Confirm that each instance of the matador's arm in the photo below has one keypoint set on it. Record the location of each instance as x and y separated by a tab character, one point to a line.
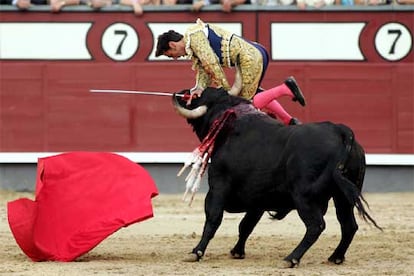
206	63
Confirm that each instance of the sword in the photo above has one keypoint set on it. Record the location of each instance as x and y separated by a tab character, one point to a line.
135	92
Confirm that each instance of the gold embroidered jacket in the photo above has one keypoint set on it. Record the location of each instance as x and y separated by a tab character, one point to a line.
235	51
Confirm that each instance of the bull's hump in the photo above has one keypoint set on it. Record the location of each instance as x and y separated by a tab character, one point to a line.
245	109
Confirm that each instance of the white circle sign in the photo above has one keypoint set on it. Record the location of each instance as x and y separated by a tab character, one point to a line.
120	41
393	41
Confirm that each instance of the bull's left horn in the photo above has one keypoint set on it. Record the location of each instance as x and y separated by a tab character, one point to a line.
187	113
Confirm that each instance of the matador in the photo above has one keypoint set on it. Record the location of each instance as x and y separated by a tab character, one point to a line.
211	49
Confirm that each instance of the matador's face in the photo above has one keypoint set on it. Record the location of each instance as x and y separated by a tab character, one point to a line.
177	49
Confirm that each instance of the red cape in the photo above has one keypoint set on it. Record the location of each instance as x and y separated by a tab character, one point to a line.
80	199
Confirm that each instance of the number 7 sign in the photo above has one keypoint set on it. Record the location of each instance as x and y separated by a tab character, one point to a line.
393	41
120	41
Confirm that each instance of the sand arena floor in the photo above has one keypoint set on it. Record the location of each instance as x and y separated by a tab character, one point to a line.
157	246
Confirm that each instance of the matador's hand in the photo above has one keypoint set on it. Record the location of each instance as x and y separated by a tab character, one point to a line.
195	93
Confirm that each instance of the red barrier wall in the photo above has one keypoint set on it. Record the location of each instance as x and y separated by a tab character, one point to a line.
46	106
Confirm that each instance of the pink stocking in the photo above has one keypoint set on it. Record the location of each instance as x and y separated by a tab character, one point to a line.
275	107
267	99
261	99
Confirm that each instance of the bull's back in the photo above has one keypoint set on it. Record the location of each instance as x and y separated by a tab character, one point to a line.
267	146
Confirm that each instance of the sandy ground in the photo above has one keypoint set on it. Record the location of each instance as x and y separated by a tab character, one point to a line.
157	246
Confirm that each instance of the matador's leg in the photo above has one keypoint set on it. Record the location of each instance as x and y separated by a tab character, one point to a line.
268	98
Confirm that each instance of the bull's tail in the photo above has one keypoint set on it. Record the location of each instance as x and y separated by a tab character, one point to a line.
351	190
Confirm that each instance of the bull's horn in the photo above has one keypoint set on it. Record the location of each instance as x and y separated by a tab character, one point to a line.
187	113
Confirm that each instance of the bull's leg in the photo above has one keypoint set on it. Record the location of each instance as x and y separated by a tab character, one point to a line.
349	226
312	216
246	227
214	208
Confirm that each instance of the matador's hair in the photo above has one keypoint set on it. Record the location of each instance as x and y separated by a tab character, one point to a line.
164	39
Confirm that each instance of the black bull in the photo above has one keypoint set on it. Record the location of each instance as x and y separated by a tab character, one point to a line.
260	165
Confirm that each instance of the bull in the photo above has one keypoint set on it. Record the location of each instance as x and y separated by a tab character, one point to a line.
258	165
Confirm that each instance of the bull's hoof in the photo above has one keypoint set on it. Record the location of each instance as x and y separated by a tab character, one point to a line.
193	257
290	263
236	255
337	261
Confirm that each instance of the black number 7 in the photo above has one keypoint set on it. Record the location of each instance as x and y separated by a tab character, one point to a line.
124	34
395	32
